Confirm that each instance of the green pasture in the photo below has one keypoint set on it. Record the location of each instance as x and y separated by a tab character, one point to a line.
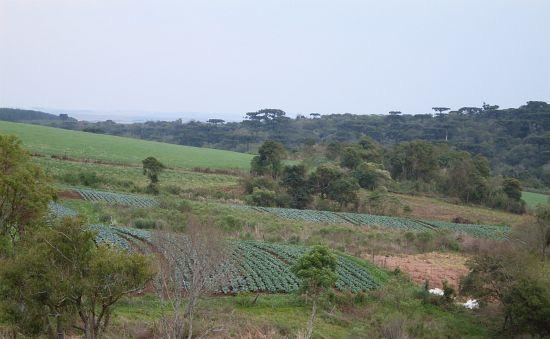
83	145
533	199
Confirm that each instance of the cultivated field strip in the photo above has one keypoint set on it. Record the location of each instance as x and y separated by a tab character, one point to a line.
253	266
59	211
359	219
116	198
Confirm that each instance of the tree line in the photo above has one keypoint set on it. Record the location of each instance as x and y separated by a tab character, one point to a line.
516	141
334	181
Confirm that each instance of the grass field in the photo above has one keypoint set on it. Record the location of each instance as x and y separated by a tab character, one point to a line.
114	177
533	199
82	145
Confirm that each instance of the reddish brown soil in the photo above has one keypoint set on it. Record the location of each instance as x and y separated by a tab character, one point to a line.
434	267
69	195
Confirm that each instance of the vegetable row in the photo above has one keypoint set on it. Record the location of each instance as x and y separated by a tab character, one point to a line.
478	231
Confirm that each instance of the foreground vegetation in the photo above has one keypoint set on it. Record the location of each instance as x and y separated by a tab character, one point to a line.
185	230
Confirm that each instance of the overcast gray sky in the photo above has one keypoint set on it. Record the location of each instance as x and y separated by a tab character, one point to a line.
227	57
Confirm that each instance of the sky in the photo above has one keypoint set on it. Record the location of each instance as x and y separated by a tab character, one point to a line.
208	58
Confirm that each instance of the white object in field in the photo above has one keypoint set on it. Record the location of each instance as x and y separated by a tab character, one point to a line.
436	291
471	304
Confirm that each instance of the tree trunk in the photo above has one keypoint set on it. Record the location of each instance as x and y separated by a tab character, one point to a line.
190	334
311	319
59	325
89	328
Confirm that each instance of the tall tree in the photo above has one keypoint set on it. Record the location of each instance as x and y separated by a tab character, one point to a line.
294	179
270	159
24	190
152	169
413	160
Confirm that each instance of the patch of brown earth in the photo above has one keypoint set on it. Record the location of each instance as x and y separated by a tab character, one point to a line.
69	195
434	267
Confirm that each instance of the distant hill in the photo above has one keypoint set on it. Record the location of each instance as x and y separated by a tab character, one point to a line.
83	145
25	115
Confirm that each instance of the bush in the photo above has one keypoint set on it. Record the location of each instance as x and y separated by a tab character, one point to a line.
173	189
85	178
424	241
249	183
527	307
105	218
231	223
145	223
262	197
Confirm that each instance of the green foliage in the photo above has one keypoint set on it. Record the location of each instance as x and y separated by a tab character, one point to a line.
511	277
333	150
343	190
317	270
85	178
60	275
351	157
512	188
270	159
152	169
414	160
295	180
323	176
267	183
262	197
527	306
24	190
145	223
371	176
505	136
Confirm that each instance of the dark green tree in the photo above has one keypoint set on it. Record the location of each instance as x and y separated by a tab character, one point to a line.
343	190
294	179
333	150
414	160
352	156
323	176
152	169
512	188
371	176
270	159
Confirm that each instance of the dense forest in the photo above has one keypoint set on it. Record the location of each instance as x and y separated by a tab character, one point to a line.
516	140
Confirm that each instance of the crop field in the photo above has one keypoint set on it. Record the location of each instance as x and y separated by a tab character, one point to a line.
256	266
534	199
115	198
475	230
83	145
59	211
116	176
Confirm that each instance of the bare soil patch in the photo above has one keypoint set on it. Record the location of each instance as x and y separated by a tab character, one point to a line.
434	267
69	195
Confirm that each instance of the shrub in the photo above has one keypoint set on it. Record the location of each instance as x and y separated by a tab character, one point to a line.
424	241
85	178
249	183
262	197
144	223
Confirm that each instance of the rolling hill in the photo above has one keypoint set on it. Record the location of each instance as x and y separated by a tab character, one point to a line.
83	145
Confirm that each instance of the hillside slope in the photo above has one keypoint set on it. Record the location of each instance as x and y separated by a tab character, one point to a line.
82	145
